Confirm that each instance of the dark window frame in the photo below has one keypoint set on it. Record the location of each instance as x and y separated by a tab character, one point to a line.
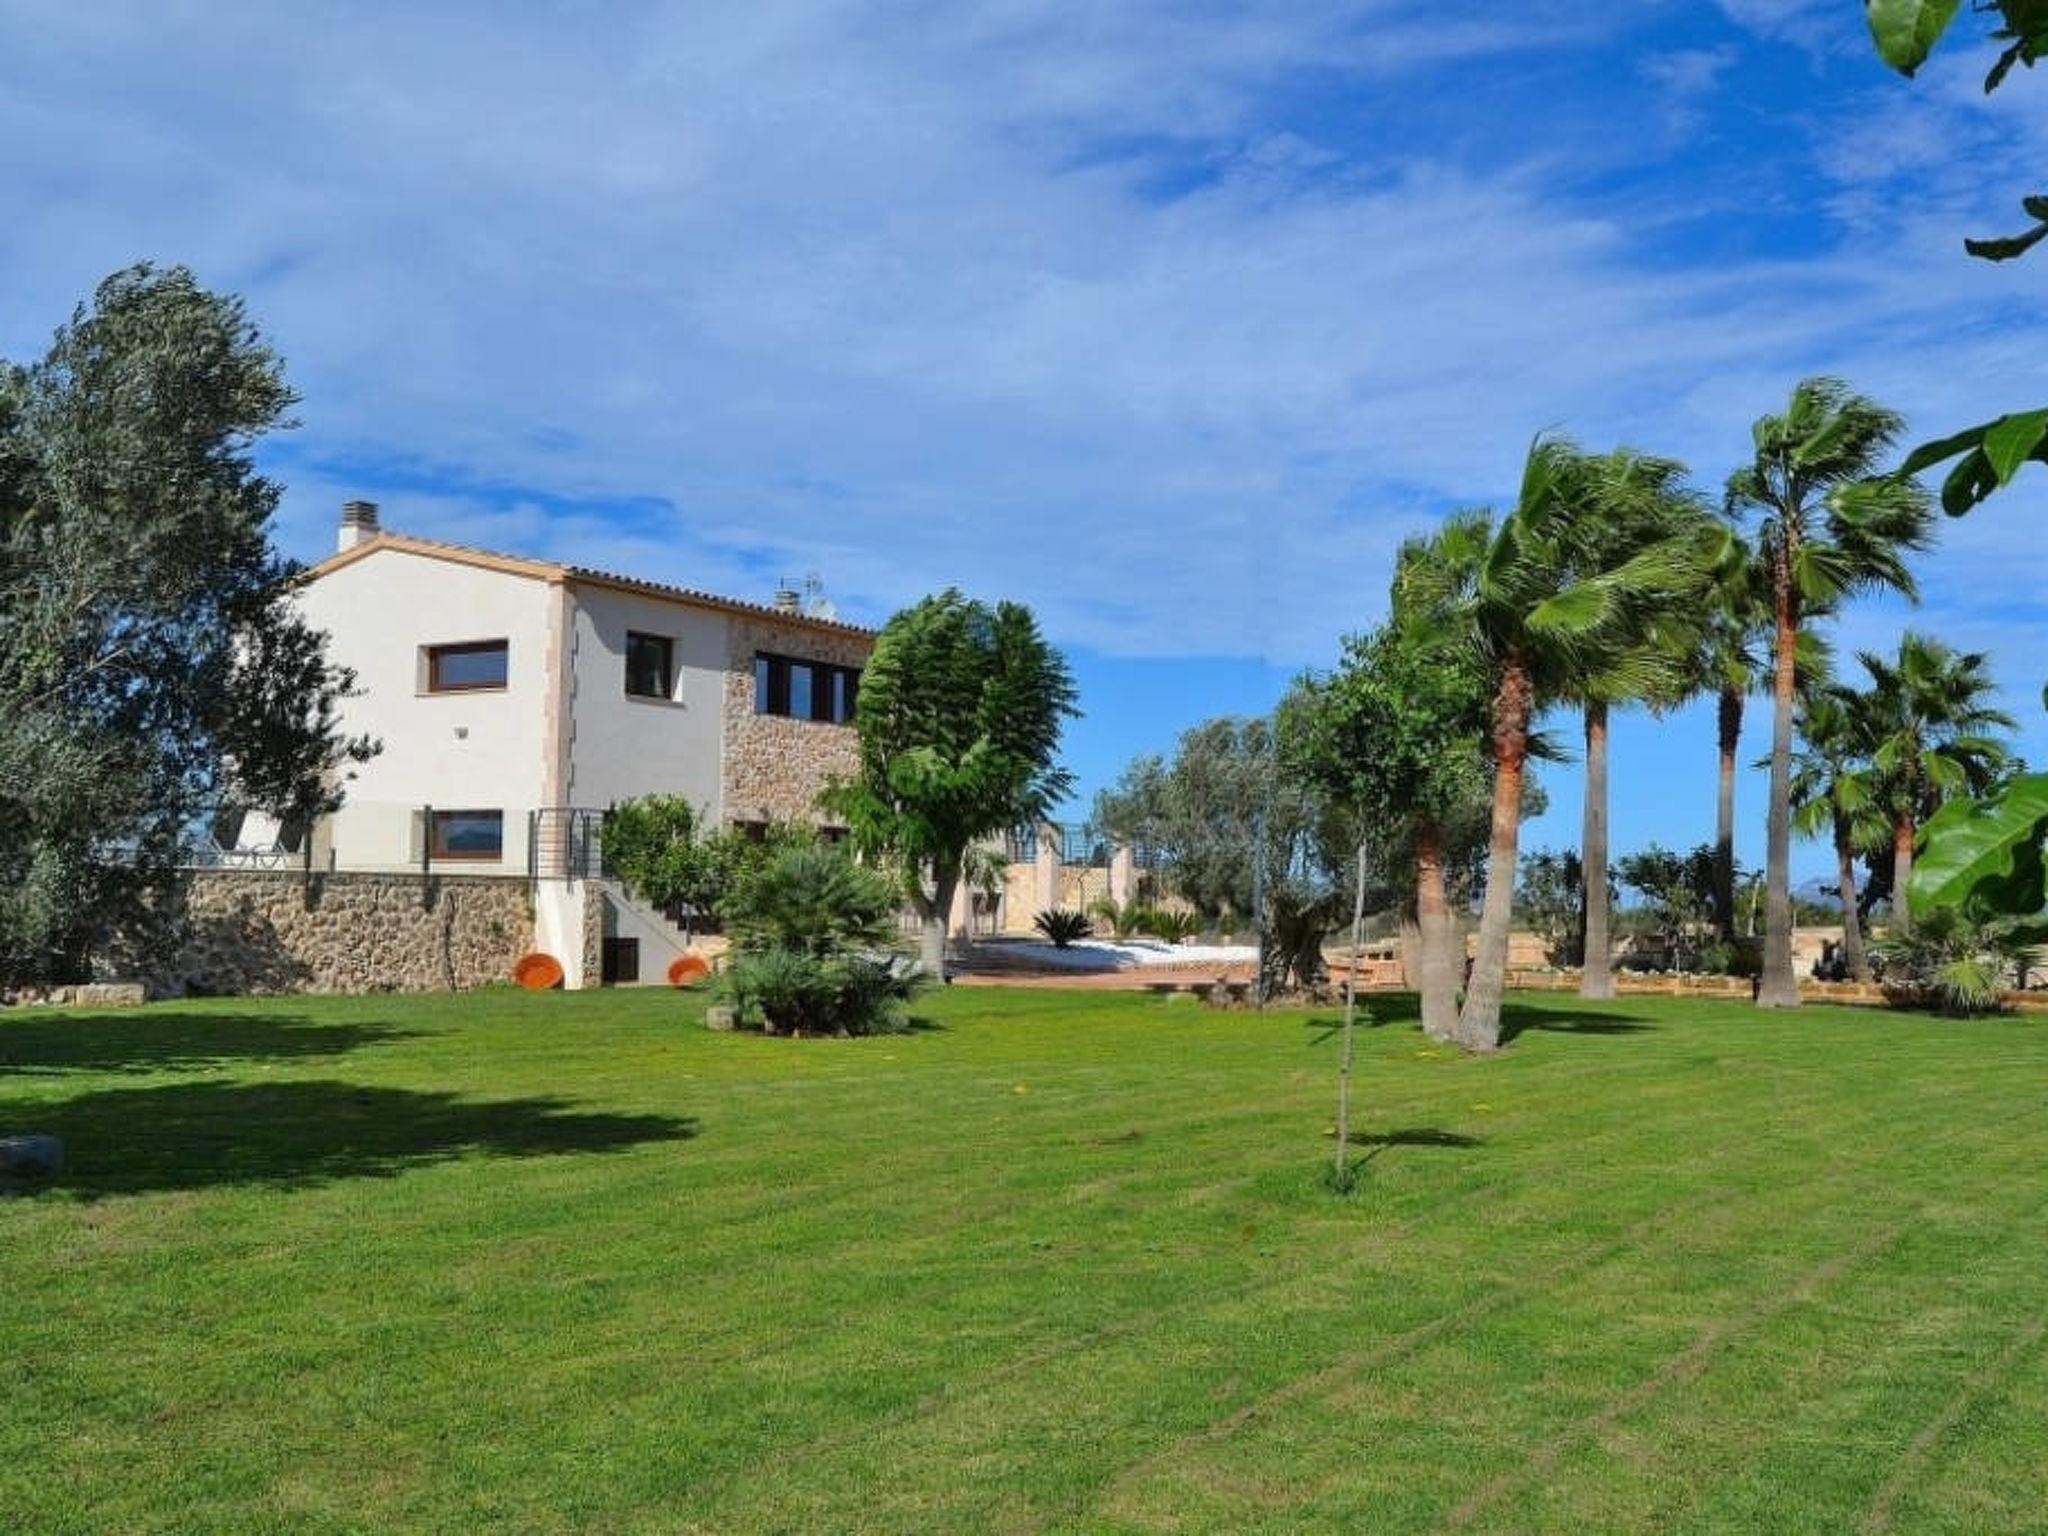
436	654
834	688
438	850
668	665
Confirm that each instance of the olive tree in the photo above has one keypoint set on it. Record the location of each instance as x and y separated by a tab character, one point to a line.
153	668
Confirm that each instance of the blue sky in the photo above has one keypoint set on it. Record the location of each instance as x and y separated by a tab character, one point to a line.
1169	319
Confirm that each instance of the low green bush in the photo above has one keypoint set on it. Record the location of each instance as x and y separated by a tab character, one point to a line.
1124	917
813	933
791	992
1063	928
814	900
1173	927
1953	961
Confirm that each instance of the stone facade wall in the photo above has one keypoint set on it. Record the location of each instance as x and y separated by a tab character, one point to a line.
1082	885
271	931
775	766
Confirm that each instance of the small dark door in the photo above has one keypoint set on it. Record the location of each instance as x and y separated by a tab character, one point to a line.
621	960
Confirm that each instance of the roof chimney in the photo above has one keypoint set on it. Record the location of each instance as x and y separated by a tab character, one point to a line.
358	523
788	599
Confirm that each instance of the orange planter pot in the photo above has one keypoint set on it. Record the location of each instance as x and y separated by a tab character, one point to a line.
537	972
685	970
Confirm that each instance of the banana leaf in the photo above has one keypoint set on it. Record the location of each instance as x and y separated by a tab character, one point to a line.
1986	854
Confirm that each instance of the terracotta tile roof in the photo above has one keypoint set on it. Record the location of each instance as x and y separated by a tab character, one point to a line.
549	570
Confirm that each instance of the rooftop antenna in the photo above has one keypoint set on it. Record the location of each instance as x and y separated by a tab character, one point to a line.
816	604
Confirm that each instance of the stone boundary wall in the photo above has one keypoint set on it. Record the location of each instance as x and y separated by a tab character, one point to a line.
275	931
1863	994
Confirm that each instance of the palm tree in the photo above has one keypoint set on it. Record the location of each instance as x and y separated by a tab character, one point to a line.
1834	792
1729	665
1928	723
1515	590
1631	502
1827	529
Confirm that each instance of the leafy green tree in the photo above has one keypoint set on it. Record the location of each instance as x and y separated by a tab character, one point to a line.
651	844
1678	891
959	717
153	669
1828	527
1309	848
1515	591
1198	812
1247	838
1834	794
1930	734
1395	735
658	845
1551	899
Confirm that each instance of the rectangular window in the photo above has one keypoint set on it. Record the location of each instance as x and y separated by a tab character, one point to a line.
468	668
805	690
650	666
468	835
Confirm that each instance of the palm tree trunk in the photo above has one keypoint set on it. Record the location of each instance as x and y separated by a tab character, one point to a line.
1479	1023
1778	987
1904	834
1724	814
1440	970
1852	922
1596	977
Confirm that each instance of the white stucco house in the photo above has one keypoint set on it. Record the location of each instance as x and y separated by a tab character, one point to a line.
515	699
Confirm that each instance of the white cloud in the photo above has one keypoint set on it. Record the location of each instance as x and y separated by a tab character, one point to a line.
1689	72
899	297
1808	23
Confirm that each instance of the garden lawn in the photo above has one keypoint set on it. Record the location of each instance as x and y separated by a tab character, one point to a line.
1059	1260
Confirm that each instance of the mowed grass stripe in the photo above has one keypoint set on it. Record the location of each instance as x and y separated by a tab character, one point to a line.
878	1286
1573	1362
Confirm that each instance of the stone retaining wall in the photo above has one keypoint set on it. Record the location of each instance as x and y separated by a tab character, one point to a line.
270	931
84	994
1863	994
